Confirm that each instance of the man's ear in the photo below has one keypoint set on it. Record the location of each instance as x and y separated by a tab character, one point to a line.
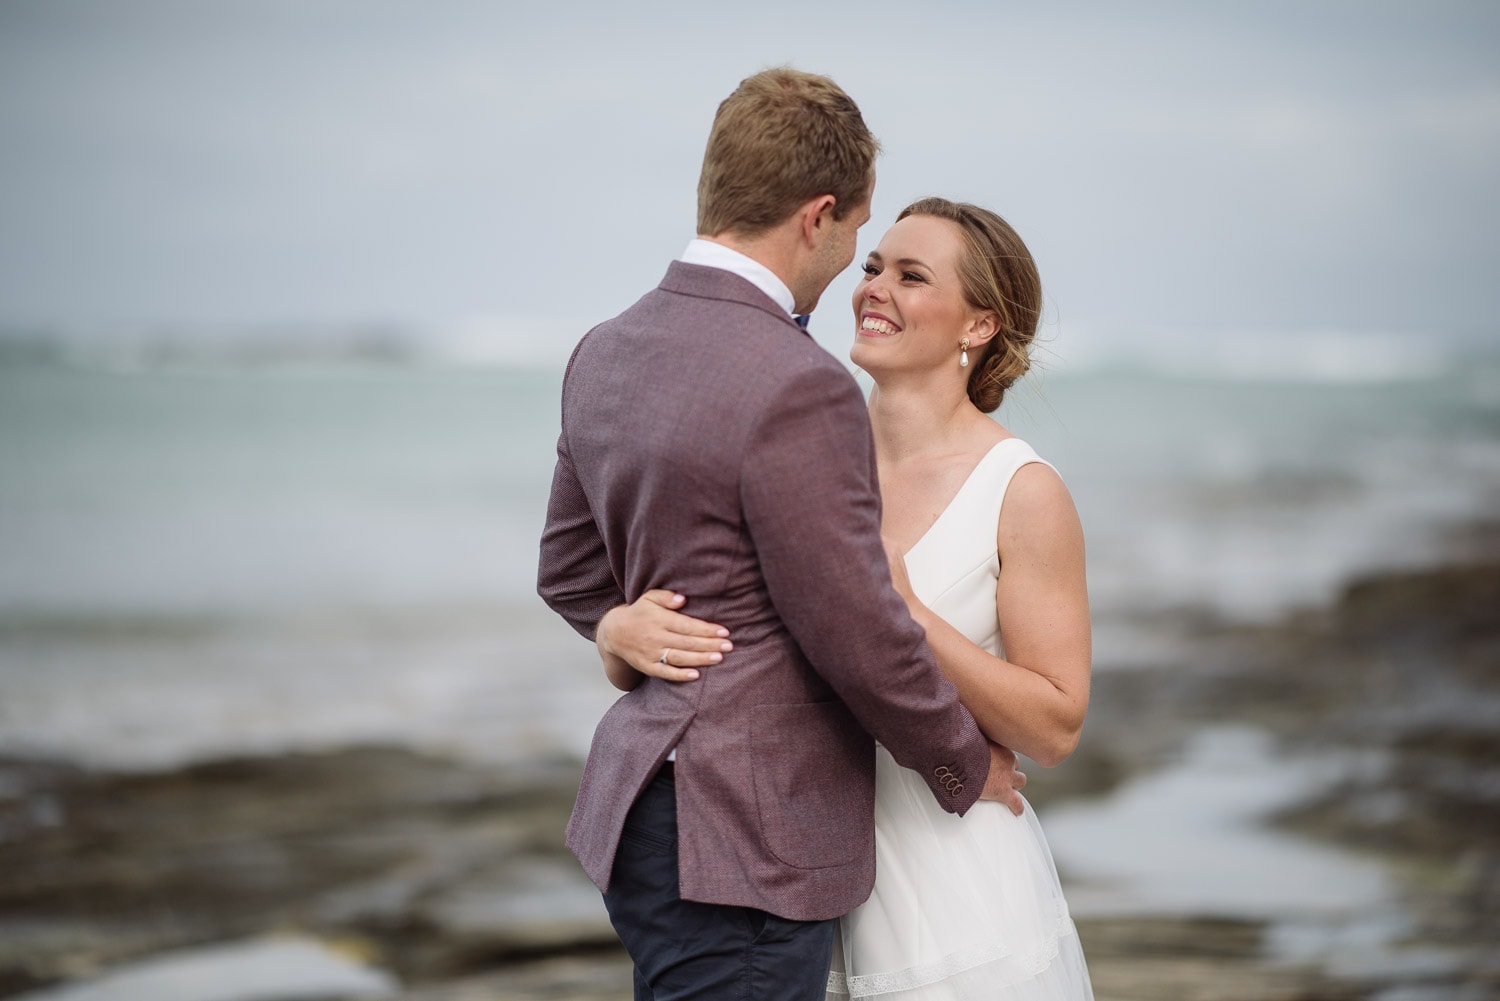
816	218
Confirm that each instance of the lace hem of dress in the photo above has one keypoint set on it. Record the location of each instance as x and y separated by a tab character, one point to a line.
1027	964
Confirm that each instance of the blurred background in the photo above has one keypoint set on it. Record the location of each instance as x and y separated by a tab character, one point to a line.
285	294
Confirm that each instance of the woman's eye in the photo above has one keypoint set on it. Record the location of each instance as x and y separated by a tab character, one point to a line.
869	269
911	276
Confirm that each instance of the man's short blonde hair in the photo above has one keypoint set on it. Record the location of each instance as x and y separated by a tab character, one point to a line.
783	137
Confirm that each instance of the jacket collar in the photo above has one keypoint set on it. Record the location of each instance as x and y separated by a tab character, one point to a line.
715	283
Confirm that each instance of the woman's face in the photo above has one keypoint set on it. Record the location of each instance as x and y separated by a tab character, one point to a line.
909	308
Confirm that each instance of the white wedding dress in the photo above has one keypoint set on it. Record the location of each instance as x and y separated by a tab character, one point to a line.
964	907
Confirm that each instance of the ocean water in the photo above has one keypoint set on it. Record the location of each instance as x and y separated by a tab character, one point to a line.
218	555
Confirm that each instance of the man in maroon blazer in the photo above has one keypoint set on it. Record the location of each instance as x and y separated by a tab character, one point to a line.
710	446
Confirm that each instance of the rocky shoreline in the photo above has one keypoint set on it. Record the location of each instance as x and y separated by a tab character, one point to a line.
431	868
452	878
1401	676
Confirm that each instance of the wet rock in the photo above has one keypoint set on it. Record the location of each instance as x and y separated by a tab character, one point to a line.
1197	959
1405	670
605	976
385	843
272	968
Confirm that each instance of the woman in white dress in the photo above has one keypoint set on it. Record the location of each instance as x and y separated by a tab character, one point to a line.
986	547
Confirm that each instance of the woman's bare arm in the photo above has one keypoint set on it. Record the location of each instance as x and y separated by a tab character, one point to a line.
1034	700
632	640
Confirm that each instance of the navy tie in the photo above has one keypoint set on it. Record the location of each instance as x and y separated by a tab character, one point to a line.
801	320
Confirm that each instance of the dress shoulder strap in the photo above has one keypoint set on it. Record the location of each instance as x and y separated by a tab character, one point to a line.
964	534
981	498
953	567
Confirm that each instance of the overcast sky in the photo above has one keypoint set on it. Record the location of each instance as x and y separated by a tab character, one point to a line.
1208	167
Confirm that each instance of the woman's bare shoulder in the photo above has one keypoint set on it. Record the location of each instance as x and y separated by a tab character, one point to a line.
1038	510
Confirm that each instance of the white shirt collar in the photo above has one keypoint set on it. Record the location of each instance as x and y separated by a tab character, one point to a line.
716	255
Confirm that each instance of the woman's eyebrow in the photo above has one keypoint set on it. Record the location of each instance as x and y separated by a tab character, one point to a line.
874	255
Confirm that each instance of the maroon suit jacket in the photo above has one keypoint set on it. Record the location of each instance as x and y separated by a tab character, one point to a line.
710	446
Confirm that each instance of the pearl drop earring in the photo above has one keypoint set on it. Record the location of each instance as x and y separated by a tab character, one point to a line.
963	353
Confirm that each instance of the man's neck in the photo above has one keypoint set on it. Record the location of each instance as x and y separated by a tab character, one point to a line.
769	249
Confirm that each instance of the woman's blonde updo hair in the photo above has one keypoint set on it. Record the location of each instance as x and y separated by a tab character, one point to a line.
998	275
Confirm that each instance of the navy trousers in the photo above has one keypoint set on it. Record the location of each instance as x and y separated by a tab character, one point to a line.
687	951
